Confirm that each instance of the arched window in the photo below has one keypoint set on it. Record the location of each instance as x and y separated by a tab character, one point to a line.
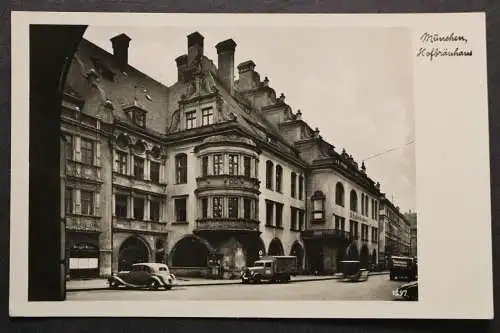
269	175
293	184
339	194
279	177
181	168
354	201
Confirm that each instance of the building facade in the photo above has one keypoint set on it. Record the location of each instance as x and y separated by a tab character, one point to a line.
412	218
210	171
395	231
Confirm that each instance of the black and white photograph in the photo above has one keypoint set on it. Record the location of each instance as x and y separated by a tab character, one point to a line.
250	162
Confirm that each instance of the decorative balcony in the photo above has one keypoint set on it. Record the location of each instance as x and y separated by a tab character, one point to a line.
226	225
83	171
78	223
335	234
131	225
227	182
140	184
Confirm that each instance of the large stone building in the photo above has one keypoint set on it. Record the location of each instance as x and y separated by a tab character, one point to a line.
210	169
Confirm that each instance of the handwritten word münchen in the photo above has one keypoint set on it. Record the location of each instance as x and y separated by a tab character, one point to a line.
437	52
437	38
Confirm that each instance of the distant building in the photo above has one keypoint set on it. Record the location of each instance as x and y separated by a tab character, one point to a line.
206	169
394	231
412	218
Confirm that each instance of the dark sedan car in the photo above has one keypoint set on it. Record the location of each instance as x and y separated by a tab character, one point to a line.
407	291
144	275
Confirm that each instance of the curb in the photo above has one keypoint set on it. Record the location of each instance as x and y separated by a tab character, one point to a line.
226	284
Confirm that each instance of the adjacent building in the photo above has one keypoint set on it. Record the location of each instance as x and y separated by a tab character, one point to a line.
412	218
394	231
208	172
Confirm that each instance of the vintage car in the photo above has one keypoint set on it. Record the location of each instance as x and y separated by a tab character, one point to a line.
144	275
407	291
351	270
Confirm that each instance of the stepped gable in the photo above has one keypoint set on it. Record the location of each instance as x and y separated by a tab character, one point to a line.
109	87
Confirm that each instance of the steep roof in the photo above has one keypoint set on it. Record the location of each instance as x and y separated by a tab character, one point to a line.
94	76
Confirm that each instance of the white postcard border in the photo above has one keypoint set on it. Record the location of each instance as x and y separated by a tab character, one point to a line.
453	175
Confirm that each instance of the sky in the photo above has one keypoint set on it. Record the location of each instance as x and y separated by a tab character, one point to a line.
354	84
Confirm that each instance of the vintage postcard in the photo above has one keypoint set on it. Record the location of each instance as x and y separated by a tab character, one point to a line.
264	165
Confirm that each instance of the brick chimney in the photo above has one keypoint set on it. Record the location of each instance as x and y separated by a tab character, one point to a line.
195	48
182	66
225	52
120	50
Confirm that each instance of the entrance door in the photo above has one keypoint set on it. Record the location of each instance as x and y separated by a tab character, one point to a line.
132	251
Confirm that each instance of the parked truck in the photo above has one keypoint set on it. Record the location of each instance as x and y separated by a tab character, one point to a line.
270	268
402	266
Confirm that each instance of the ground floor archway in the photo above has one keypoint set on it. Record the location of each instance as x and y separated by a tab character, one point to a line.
133	250
190	251
275	248
160	251
364	257
298	251
352	252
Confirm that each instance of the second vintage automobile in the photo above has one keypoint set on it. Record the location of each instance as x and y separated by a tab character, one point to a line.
144	275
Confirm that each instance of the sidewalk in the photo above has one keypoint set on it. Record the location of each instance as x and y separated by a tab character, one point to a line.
100	284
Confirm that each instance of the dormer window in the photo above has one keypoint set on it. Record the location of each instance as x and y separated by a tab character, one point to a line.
139	118
207	116
190	119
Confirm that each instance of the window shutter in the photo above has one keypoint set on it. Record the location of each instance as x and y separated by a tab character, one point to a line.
98	153
76	202
97	204
78	153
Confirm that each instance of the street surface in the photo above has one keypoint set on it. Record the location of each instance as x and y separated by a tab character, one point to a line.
377	287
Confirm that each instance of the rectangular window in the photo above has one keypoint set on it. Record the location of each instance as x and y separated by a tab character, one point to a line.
180	209
269	175
233	164
217	207
279	177
247	208
293	218
207	116
233	207
121	205
293	185
269	213
301	187
204	208
138	167
154	210
69	147
121	162
139	208
68	199
190	119
301	220
354	229
181	168
154	171
218	164
279	215
87	149
204	166
87	202
247	166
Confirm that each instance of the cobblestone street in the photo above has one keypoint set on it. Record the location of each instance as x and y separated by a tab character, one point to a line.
377	287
